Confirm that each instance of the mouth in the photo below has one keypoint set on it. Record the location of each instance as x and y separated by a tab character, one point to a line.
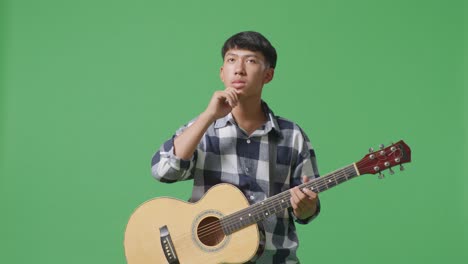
238	84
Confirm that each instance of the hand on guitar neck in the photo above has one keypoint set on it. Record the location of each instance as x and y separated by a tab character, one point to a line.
303	202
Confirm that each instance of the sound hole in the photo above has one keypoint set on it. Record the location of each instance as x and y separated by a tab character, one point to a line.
209	231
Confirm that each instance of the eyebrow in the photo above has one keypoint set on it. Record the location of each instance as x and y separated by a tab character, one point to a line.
248	55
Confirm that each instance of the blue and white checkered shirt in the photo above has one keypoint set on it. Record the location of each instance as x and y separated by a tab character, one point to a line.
226	154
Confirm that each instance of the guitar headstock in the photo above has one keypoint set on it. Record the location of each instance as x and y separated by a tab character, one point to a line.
385	158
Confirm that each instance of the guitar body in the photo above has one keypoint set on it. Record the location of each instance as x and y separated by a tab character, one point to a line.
190	228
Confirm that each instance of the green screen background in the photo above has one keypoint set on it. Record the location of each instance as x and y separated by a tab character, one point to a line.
90	89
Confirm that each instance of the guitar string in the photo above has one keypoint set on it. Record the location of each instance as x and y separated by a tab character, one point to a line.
321	182
232	218
272	203
338	175
216	226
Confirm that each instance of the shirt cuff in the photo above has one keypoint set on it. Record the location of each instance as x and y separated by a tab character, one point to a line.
174	161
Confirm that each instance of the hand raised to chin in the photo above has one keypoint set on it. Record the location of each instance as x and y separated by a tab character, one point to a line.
222	103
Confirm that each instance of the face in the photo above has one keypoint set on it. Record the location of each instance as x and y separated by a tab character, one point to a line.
246	71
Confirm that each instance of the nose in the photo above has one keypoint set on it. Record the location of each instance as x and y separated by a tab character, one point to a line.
240	68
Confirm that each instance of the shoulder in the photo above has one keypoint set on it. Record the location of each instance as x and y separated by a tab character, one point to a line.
285	124
289	127
293	136
279	123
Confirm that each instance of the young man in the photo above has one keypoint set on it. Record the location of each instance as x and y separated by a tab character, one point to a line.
238	140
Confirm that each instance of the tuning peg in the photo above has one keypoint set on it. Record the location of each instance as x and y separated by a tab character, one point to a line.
381	146
371	150
391	171
381	175
401	167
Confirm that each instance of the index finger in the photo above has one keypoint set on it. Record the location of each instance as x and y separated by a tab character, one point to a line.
309	193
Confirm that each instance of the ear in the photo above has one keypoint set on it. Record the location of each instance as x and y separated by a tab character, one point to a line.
270	72
221	73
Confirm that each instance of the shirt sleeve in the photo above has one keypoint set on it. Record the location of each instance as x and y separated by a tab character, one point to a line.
306	165
167	167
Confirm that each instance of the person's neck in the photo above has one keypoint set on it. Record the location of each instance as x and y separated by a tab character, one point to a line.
249	115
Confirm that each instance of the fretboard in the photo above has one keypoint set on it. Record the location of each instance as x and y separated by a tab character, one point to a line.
279	202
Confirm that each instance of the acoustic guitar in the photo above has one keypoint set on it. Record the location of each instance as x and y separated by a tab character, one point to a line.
222	226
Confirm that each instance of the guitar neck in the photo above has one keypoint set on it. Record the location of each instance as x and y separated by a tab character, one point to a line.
279	202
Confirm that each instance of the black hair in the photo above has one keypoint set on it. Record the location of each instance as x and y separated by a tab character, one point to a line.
253	41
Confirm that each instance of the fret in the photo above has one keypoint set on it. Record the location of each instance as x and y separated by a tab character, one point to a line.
277	207
341	178
323	185
334	175
266	209
350	172
329	182
313	186
258	216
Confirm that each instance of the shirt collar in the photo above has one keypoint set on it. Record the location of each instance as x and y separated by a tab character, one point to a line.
223	121
271	124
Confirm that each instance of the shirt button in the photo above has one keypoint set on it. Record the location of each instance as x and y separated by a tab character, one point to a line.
247	169
252	197
248	141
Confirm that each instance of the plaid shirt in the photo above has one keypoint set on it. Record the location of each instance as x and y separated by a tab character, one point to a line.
227	154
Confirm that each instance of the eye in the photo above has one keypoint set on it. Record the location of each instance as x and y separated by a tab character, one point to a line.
230	60
251	61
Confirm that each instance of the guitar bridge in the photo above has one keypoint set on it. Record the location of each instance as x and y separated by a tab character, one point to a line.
168	246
